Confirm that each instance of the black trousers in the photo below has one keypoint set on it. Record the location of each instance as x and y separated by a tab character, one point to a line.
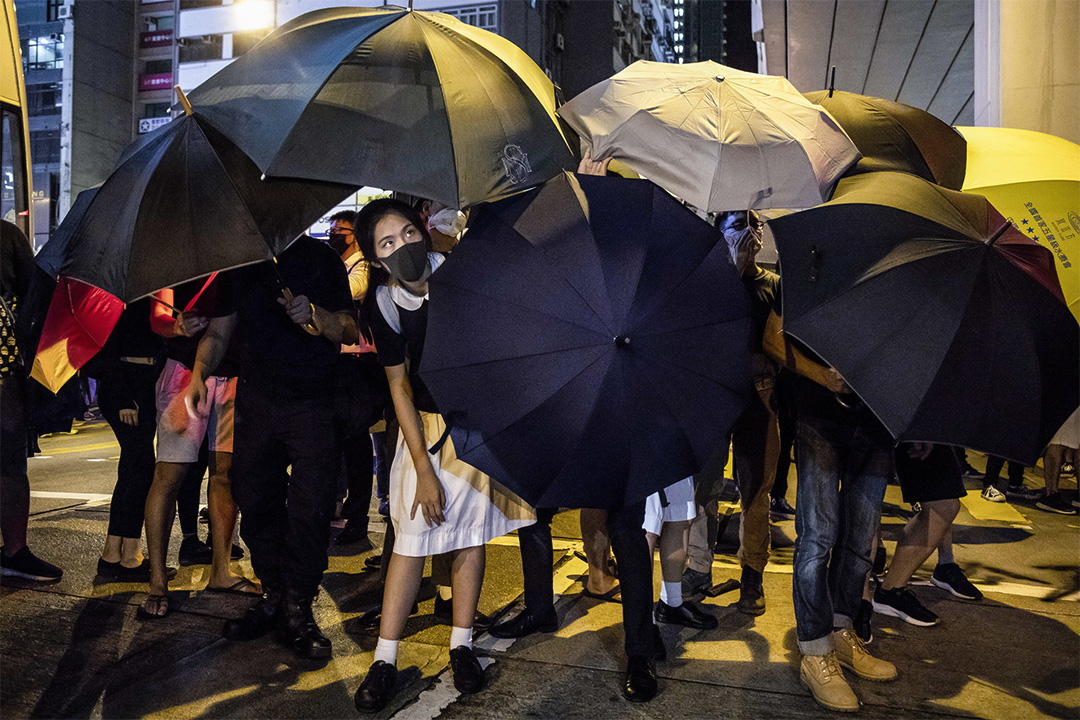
135	469
361	384
537	557
635	576
993	471
285	518
360	473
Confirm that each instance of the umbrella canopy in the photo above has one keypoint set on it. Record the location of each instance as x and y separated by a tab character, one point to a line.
78	323
895	136
415	101
942	317
1034	180
717	137
182	203
589	341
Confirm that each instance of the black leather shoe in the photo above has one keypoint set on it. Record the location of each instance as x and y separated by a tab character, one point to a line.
374	692
659	653
688	615
526	623
640	685
468	675
298	630
751	593
354	534
194	551
258	619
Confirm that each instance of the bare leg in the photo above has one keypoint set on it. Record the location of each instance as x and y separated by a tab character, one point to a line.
160	513
922	535
126	551
467	577
674	539
111	552
597	550
1055	457
222	522
403	578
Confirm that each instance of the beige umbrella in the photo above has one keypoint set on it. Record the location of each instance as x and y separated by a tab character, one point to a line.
717	137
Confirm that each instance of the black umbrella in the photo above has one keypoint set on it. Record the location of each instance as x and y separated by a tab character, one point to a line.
415	101
941	316
182	202
895	136
589	342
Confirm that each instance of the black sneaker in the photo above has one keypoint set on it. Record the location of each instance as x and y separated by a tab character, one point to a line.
1056	504
1068	470
949	576
862	622
903	604
1022	492
780	507
28	566
194	551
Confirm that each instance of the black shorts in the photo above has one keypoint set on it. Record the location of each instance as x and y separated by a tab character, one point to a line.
938	477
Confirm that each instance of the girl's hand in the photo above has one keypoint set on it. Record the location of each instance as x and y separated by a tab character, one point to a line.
430	496
589	166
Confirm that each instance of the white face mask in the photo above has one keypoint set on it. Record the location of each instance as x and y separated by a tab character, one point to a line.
448	221
743	245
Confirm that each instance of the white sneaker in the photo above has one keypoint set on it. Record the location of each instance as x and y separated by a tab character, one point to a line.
992	494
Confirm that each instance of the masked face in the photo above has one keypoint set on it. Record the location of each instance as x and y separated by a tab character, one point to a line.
340	236
409	263
448	221
742	233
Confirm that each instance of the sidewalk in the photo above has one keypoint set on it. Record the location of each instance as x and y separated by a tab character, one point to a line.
76	649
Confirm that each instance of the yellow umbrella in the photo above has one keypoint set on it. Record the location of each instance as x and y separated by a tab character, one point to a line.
1033	179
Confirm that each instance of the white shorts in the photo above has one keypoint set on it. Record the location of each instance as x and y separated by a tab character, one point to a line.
1069	434
179	436
680	506
478	509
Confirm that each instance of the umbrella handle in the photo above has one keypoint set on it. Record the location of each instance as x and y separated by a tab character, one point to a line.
310	328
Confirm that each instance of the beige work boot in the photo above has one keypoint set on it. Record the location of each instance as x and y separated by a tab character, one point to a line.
851	653
822	676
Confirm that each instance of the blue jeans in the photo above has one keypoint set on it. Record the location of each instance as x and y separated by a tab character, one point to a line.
843	468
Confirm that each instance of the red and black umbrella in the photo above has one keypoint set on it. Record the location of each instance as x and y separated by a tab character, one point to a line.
942	317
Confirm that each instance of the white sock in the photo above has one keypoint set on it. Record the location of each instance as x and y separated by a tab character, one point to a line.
445	592
671	593
386	650
460	637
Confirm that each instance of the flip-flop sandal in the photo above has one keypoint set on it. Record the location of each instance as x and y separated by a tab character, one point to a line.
613	567
237	588
609	596
161	600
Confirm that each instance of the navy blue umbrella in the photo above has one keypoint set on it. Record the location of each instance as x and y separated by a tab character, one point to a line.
588	341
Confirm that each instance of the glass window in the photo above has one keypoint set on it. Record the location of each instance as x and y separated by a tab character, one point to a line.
201	48
52	10
43	53
156	110
43	99
158	67
485	17
14	199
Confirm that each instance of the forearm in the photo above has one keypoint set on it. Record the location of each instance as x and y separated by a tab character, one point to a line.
339	327
779	349
412	429
212	346
162	320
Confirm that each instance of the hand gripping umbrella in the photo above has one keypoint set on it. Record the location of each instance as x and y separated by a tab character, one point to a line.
1034	180
717	137
588	341
895	136
941	316
415	101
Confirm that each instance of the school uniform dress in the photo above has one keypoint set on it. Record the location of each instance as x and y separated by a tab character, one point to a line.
675	504
478	509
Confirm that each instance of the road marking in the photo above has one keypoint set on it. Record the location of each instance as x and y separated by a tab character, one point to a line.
88	497
85	448
985	510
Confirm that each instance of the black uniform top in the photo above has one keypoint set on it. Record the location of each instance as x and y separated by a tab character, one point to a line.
273	349
405	348
184	349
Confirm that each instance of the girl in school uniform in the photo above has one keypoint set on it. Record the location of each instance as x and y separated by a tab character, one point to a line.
438	504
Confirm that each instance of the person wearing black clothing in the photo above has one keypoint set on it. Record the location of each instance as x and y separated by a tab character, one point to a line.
127	369
289	351
16	269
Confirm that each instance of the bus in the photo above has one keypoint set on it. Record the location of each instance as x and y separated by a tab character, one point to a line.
15	177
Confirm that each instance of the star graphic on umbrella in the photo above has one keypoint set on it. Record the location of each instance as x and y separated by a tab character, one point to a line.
1025	222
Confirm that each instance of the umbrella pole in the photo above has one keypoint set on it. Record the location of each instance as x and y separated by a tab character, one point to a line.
998	234
832	82
183	99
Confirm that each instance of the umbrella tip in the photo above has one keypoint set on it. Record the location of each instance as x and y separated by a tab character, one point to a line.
622	341
832	82
719	78
183	99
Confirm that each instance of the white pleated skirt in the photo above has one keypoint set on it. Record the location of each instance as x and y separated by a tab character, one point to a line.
680	507
478	509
